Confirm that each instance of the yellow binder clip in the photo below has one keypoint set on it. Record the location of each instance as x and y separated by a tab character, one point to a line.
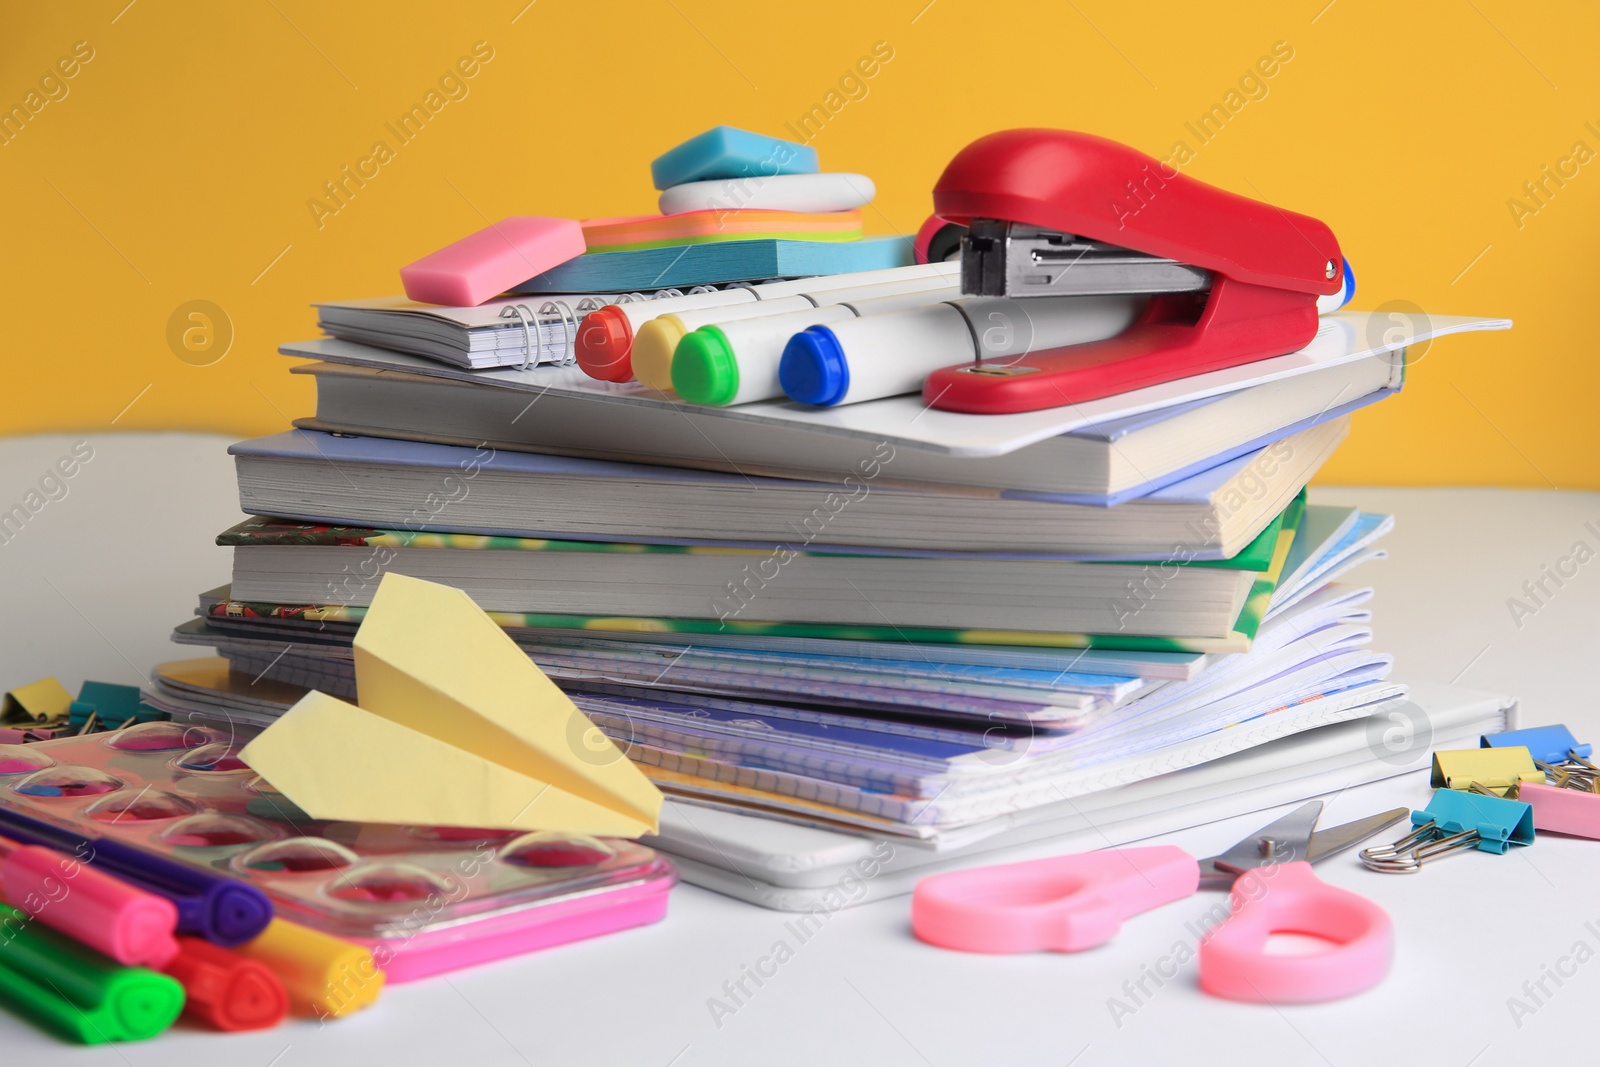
1494	770
41	703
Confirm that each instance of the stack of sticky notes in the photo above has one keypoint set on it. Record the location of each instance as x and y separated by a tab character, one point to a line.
735	206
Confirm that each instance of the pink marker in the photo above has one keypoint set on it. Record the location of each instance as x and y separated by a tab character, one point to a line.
487	263
129	925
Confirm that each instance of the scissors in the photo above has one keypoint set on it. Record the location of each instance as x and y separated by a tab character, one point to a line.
1070	903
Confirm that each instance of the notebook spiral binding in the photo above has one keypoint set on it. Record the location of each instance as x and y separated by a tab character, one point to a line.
552	312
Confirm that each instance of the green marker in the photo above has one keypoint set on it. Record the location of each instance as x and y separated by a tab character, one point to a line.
69	989
736	361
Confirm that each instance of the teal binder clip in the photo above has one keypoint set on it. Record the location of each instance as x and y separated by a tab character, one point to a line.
1454	820
107	706
1554	745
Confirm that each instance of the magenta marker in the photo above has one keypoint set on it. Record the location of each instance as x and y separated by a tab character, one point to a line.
131	926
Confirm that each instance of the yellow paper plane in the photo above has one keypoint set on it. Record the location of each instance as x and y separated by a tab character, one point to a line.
456	727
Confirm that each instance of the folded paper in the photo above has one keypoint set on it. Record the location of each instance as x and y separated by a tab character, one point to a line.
456	727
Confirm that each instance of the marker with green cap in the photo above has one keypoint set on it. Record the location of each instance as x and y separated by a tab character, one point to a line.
74	991
736	361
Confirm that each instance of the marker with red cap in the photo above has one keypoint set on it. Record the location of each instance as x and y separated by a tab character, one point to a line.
604	346
108	915
227	990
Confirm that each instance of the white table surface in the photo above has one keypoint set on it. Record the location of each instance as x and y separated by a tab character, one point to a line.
92	584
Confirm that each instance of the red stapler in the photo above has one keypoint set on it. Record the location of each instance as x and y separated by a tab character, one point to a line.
1052	212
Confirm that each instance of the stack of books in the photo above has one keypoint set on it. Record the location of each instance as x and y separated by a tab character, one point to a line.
881	627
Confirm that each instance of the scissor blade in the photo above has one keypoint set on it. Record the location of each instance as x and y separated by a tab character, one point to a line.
1325	843
1290	837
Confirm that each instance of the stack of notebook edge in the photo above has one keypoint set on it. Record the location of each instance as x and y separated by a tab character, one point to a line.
816	632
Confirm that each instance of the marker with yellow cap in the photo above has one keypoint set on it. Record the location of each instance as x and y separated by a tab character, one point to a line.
656	344
604	345
736	361
323	975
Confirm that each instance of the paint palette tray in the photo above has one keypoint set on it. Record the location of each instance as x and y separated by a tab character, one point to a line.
423	899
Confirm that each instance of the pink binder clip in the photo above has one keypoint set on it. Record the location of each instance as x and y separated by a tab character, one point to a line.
1562	811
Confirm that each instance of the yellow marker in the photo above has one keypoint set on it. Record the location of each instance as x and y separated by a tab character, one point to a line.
653	345
655	342
324	975
1496	769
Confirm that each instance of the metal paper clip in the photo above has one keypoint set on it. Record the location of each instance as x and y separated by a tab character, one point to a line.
1497	768
1455	820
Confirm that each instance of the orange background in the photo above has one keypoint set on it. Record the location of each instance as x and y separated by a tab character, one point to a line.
179	163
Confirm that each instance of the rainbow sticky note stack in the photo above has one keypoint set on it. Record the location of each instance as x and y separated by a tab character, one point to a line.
706	227
760	202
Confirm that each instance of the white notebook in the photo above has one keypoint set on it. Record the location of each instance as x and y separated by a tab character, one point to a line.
906	421
799	868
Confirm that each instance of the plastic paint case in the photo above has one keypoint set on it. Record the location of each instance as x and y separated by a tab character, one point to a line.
422	899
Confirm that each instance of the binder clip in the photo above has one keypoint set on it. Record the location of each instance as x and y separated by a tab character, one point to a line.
41	703
1454	820
107	706
1052	212
1570	803
1496	769
1555	751
1563	810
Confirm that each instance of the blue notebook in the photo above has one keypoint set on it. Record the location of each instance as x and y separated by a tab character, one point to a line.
715	264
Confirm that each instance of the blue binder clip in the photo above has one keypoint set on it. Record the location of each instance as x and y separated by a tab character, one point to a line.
1554	745
1454	820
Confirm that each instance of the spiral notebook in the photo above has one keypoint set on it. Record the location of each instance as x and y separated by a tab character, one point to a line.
501	333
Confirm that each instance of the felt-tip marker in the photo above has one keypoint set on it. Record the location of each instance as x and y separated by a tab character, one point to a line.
210	905
129	925
74	991
604	345
886	355
736	362
655	346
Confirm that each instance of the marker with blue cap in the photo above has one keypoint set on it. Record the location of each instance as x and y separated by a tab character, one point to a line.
897	352
735	361
887	355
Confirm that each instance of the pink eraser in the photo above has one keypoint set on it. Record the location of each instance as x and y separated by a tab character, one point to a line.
485	264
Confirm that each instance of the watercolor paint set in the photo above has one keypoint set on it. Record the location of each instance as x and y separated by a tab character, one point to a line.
423	899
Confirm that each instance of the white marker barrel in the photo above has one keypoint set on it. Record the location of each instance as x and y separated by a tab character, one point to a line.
888	355
735	360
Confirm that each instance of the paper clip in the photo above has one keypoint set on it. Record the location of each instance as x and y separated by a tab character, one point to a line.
1556	752
1454	819
1498	768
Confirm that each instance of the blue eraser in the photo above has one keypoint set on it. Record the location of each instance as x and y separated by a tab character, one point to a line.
813	368
724	152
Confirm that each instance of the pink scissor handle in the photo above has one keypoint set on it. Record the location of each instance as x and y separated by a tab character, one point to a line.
1289	899
1060	904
